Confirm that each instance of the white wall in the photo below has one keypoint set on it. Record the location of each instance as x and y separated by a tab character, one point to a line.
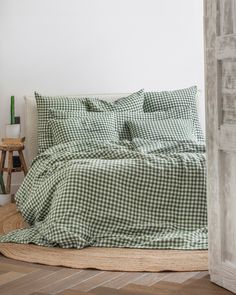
76	46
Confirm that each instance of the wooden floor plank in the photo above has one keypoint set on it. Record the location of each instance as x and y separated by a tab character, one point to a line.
198	276
166	288
202	286
139	290
124	291
4	259
179	277
150	278
110	291
16	268
11	287
46	281
70	282
10	276
98	280
203	290
123	280
73	292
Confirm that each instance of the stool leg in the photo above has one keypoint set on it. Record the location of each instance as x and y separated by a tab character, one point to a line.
2	161
2	164
9	171
22	160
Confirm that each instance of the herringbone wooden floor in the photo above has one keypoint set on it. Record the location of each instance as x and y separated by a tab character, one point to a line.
20	278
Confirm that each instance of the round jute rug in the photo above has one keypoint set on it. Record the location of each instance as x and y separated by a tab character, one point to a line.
117	259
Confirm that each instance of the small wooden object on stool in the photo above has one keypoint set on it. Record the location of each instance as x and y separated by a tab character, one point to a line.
11	145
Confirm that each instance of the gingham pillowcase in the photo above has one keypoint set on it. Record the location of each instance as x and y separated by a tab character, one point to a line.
162	130
175	99
90	127
132	103
122	117
44	103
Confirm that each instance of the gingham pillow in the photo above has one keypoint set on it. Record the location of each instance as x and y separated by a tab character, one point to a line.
44	103
122	117
180	99
162	130
132	103
90	127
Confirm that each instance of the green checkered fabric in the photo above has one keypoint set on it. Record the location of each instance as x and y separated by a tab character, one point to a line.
146	146
169	129
82	194
92	126
122	117
44	103
132	103
167	100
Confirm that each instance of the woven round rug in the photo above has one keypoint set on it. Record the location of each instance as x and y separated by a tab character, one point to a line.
116	259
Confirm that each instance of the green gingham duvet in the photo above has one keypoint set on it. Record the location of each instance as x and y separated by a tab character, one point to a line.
141	194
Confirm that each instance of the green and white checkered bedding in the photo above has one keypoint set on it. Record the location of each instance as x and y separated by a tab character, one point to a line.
44	103
180	99
131	103
122	117
163	130
140	194
92	126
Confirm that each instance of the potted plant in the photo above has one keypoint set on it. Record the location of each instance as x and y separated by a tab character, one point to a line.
13	129
4	198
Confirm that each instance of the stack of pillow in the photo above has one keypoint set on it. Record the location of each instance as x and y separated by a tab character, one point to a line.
163	116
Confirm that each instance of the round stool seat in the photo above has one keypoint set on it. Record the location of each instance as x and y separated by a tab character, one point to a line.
11	147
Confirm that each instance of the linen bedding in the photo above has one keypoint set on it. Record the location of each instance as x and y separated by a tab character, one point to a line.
87	127
163	130
131	103
175	99
139	193
123	117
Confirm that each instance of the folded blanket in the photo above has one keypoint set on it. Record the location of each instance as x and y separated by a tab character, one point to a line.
140	194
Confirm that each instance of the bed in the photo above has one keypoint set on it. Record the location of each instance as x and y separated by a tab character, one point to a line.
144	195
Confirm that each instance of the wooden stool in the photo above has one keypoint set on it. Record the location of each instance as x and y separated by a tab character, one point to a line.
11	145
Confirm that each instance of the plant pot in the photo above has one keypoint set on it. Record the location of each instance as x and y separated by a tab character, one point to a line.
13	131
5	199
